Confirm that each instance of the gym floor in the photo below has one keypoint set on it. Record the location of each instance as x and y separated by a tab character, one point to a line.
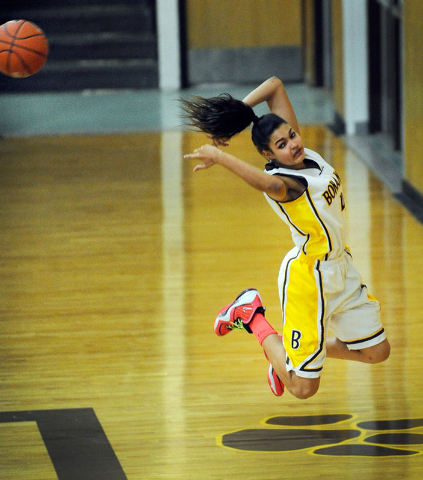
115	259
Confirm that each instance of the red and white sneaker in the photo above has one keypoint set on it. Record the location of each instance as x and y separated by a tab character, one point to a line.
275	383
239	313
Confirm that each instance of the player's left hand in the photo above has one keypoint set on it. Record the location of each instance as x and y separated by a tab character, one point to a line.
207	154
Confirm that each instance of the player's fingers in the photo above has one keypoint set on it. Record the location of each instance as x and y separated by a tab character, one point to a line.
200	166
191	155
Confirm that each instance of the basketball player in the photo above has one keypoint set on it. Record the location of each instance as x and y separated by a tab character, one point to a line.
318	283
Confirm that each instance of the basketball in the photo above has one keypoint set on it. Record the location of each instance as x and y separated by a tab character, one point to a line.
23	48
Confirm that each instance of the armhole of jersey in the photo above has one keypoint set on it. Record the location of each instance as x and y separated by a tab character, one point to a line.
303	182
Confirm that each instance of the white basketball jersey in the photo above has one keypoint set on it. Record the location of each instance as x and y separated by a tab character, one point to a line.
317	218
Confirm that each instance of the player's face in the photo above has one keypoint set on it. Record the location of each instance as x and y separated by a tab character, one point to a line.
286	147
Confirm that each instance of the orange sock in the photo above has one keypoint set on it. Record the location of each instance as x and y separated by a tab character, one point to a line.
261	327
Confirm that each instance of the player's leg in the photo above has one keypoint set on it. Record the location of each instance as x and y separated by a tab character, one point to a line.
335	348
300	387
358	323
298	359
247	313
303	310
271	342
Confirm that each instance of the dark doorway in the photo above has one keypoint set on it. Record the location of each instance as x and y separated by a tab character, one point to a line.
385	66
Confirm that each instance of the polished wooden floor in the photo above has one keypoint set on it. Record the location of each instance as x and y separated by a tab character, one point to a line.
114	261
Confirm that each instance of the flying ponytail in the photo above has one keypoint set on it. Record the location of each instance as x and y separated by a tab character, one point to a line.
220	117
223	117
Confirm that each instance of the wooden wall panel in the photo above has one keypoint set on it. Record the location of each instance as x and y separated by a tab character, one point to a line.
413	92
338	57
246	23
308	41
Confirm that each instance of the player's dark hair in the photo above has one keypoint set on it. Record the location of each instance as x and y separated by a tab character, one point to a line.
223	117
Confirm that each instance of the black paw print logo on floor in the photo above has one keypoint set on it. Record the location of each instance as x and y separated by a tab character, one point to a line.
379	438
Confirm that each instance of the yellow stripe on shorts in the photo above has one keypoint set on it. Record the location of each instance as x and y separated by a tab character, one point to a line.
303	312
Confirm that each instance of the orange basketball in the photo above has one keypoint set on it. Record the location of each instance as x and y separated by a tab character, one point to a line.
23	48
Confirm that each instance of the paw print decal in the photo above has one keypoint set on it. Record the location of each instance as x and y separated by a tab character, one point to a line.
334	435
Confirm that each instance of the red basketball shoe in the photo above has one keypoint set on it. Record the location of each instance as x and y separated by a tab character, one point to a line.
275	383
239	313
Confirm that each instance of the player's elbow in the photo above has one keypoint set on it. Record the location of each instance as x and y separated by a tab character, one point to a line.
275	80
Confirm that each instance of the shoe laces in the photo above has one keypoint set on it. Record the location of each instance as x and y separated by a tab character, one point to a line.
236	325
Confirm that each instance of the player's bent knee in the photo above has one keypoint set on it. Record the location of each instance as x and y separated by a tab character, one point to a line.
379	353
385	351
305	387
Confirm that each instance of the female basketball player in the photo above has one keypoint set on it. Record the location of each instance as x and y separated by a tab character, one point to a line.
318	283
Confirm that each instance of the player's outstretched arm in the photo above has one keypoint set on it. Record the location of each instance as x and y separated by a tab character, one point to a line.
210	155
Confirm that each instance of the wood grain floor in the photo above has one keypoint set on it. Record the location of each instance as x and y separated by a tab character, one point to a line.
114	261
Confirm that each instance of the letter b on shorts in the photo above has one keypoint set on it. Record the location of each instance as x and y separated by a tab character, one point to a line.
295	339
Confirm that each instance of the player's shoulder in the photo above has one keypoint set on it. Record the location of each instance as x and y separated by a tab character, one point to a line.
320	162
312	155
